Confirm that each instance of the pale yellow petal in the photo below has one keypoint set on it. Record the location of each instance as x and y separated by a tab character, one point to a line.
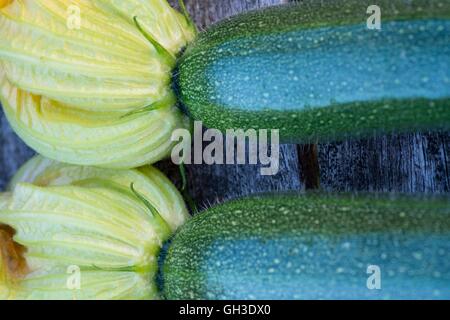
103	231
106	64
166	25
149	181
110	140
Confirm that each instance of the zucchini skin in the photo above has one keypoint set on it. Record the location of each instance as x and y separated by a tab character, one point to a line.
312	246
315	72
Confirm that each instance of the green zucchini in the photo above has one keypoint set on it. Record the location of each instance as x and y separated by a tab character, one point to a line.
315	71
313	246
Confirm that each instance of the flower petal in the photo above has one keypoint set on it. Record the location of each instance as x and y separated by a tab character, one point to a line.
69	135
166	25
106	64
87	222
149	181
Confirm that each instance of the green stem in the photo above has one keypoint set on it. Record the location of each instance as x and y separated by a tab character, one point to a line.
169	58
168	100
187	16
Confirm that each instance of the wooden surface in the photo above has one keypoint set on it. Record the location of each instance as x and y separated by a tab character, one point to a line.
13	152
405	163
409	163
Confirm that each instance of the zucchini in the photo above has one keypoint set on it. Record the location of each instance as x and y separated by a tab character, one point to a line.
312	246
316	72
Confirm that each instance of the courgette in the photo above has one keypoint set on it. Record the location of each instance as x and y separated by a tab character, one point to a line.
315	71
313	247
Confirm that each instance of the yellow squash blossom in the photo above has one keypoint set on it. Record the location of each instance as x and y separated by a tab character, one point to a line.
84	233
88	81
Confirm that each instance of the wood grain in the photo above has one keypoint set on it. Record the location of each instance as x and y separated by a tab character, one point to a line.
13	152
407	163
207	12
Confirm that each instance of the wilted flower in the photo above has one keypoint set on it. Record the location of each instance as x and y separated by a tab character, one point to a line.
82	233
88	81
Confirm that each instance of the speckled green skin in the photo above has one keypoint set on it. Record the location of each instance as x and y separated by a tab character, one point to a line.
254	34
314	246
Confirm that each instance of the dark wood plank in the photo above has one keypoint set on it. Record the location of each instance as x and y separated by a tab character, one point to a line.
309	165
406	163
13	152
207	12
